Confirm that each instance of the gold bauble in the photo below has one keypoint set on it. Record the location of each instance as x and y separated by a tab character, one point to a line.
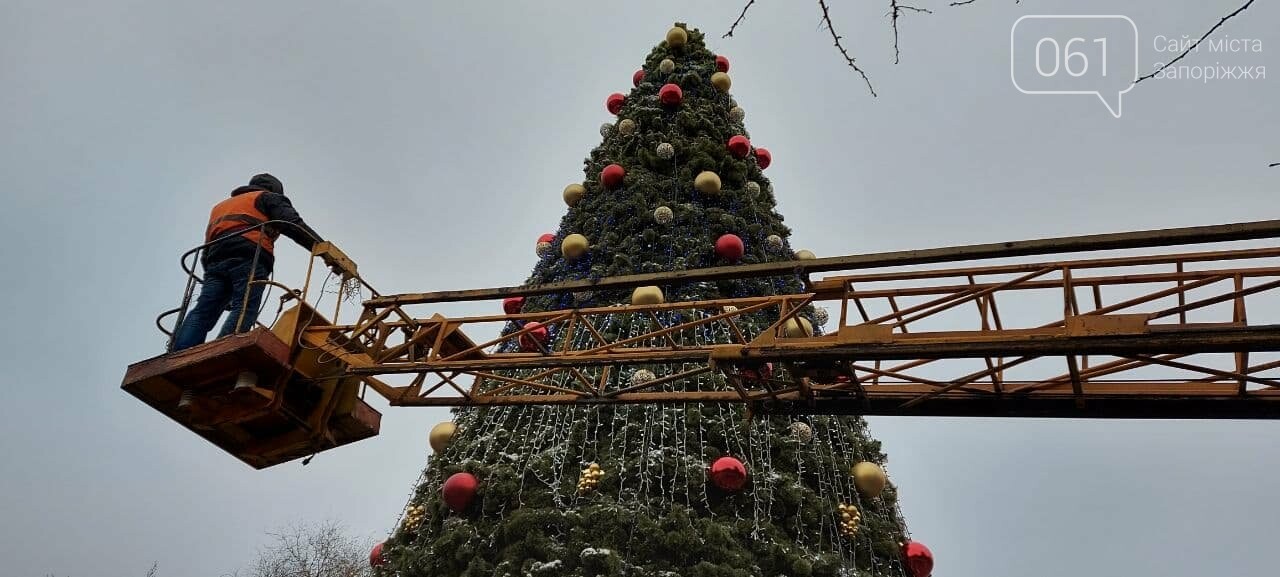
677	36
647	295
797	328
721	81
667	66
707	182
440	435
805	254
627	126
573	246
869	478
573	193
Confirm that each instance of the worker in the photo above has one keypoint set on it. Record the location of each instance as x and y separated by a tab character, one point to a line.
237	250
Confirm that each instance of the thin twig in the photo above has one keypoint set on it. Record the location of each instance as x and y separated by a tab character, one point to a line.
826	17
739	20
961	3
895	10
1197	42
1273	165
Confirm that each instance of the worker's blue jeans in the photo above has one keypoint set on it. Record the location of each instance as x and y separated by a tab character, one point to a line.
224	287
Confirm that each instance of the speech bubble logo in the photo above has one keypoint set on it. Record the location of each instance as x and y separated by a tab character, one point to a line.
1075	54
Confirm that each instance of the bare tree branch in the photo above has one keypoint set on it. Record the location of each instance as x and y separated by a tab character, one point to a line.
826	17
895	11
739	20
1273	165
961	3
1196	43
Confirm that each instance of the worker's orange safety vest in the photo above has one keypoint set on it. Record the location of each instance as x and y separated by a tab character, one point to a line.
240	212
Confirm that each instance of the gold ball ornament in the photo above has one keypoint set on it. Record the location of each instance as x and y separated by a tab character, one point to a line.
440	435
797	328
642	376
677	36
729	309
573	193
574	246
869	478
721	81
805	254
707	182
667	66
801	432
647	295
626	126
663	215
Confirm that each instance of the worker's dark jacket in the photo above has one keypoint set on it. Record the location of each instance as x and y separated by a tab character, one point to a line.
276	207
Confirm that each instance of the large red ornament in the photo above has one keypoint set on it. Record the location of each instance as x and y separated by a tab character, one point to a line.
759	373
637	78
512	305
548	237
537	335
739	146
670	95
729	247
614	102
918	558
722	64
375	556
612	175
458	491
728	473
763	158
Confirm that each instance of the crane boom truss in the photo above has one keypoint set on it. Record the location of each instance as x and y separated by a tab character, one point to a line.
1151	335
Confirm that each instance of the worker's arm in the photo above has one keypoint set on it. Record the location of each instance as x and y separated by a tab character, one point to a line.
278	207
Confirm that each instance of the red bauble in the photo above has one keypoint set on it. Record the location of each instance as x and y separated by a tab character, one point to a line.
375	556
729	247
670	95
918	558
763	158
759	373
728	473
739	145
722	64
637	77
547	238
458	491
537	334
612	175
614	102
512	305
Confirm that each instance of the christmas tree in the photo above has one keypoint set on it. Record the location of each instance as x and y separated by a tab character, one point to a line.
689	491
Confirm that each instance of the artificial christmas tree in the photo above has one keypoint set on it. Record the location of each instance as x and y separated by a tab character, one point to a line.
647	490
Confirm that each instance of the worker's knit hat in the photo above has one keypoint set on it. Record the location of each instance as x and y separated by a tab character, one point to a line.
268	182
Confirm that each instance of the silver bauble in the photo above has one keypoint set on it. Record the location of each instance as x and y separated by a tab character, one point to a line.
642	376
820	316
666	151
667	66
753	188
606	130
774	241
663	215
801	432
737	114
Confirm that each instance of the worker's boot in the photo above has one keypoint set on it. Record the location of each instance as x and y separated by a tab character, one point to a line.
245	380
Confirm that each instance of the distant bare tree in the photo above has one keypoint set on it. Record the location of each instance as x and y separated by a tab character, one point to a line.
320	550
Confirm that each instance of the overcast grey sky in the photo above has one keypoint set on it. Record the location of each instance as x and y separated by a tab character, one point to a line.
432	140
